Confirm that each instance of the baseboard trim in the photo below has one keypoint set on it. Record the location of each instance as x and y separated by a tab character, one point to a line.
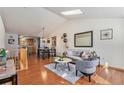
114	68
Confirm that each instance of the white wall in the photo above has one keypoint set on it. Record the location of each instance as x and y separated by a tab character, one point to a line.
2	34
110	51
123	44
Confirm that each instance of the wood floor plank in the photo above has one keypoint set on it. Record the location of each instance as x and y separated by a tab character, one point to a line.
37	74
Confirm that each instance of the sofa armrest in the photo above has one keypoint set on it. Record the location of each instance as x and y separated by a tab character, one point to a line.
76	58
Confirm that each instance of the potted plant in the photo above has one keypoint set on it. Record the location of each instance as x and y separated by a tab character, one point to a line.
2	57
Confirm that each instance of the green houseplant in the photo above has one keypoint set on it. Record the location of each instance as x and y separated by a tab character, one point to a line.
2	57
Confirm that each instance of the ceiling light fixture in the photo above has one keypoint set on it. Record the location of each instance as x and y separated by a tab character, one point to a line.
72	12
43	29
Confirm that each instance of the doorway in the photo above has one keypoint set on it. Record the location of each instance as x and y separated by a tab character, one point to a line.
28	47
29	43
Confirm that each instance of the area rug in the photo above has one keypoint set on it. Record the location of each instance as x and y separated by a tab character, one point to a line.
62	71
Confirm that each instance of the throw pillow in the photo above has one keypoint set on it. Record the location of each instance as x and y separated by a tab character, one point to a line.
85	55
93	55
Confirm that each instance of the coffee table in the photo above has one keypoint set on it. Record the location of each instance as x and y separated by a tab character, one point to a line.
59	60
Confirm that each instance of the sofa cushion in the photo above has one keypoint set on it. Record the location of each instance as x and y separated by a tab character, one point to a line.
69	53
75	58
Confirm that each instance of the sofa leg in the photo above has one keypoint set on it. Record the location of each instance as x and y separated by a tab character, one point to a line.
89	78
76	72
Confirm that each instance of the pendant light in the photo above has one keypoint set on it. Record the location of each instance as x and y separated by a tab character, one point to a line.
43	33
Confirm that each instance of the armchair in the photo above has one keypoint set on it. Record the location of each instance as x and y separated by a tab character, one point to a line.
87	67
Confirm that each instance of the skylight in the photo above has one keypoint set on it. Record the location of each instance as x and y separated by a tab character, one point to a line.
72	12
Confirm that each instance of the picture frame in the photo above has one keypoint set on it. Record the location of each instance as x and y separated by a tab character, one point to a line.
84	39
11	41
48	40
53	40
106	34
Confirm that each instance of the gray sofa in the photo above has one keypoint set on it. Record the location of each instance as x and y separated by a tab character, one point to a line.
75	55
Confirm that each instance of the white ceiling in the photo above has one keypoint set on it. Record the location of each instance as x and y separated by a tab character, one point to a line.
29	21
91	12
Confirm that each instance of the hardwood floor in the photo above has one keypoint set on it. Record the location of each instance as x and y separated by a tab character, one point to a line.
37	74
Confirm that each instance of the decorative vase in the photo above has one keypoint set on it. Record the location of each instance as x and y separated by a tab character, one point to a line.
65	40
64	35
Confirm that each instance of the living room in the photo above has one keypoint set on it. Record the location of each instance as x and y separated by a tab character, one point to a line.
98	30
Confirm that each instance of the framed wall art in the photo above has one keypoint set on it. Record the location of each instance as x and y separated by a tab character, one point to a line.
84	39
54	41
106	34
11	41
